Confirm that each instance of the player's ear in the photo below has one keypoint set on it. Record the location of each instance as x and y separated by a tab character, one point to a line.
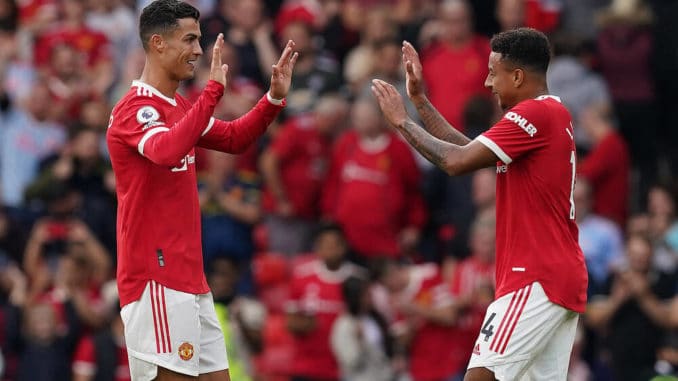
157	43
518	77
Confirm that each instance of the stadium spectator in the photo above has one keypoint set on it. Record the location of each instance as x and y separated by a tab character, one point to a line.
662	226
625	51
29	135
472	288
241	317
360	338
510	14
630	312
607	165
79	168
600	239
455	61
248	29
102	356
93	46
577	85
373	171
424	315
316	302
361	61
118	22
577	18
230	204
13	236
294	167
46	351
9	15
316	73
386	66
13	298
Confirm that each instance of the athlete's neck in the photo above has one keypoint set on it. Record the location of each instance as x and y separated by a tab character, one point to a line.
159	80
528	92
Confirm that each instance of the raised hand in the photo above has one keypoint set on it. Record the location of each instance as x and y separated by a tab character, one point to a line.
413	71
390	102
218	70
281	78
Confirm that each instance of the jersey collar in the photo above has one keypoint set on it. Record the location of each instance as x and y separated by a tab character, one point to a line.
154	91
555	98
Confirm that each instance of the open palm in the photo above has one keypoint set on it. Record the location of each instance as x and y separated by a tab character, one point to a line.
281	78
413	71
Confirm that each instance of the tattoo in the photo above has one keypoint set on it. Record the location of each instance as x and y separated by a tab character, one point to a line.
432	148
437	126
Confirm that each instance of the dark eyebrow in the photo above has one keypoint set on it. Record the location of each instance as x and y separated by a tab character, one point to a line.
192	36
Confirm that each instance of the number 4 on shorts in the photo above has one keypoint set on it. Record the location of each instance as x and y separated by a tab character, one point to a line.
488	330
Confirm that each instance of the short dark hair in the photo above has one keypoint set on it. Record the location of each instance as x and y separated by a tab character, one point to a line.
161	16
524	47
325	227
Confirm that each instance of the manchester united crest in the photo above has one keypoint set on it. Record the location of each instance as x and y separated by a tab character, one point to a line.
186	351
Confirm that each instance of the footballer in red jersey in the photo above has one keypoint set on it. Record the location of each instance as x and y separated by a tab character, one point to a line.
171	328
541	277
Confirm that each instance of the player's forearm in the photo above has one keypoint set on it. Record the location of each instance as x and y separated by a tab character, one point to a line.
436	125
170	146
442	154
238	135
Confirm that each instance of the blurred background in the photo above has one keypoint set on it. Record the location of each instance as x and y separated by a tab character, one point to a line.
332	249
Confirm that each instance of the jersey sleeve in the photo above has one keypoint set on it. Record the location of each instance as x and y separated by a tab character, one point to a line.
521	130
238	135
143	127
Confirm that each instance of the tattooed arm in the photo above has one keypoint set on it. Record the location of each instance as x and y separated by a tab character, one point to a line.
436	125
452	158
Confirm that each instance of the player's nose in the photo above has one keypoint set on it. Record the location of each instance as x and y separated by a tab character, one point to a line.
488	82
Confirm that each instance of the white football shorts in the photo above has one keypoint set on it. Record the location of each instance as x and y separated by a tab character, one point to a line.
173	330
525	336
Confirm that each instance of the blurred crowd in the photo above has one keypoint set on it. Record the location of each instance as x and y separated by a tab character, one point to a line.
332	249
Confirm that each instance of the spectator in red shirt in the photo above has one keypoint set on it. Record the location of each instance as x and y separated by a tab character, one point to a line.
294	168
607	166
626	51
455	63
315	302
372	188
472	287
424	314
102	357
92	45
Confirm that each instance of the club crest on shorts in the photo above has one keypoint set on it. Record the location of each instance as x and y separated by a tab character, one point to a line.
147	114
186	351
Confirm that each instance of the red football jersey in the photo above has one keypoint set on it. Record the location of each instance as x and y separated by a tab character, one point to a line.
536	230
316	291
304	156
430	352
380	179
151	139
